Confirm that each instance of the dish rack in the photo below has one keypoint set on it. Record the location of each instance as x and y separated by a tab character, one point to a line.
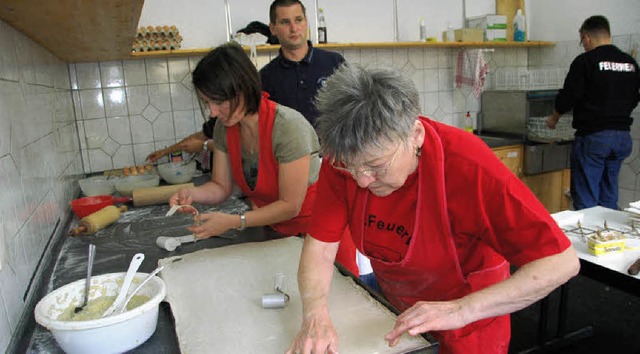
528	79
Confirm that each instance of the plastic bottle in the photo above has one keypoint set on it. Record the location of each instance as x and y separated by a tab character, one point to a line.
322	27
468	124
423	30
519	25
451	37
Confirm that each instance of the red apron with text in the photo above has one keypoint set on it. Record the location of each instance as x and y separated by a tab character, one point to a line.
267	190
430	270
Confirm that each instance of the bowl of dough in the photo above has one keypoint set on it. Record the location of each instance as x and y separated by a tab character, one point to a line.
97	185
177	172
126	185
87	331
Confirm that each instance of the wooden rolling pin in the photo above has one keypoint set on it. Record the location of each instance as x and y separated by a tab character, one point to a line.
156	195
102	218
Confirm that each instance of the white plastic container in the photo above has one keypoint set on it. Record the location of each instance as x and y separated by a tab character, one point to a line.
114	334
519	27
423	30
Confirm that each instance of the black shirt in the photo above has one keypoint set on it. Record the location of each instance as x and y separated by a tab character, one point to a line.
295	84
602	89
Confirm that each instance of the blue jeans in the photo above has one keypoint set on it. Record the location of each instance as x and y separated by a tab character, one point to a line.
595	165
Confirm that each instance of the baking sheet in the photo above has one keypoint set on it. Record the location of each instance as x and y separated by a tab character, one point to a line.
215	296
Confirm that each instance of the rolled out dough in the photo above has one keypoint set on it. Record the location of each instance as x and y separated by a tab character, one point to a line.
215	296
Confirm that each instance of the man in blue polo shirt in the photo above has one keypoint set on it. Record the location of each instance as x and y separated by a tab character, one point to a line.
295	75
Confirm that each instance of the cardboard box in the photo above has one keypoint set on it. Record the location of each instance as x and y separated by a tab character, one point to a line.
469	35
487	22
495	35
605	242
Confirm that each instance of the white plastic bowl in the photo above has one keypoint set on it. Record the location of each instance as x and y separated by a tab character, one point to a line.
126	185
114	334
176	172
97	185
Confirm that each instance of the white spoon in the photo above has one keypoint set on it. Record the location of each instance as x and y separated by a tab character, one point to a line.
124	306
133	268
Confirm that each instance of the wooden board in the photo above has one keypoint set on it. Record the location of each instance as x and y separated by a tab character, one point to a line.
77	31
508	8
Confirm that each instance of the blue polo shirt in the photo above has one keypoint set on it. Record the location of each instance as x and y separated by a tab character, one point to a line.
294	84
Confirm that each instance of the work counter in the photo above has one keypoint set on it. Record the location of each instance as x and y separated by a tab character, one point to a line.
135	232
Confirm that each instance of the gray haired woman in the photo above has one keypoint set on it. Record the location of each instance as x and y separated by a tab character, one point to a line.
434	209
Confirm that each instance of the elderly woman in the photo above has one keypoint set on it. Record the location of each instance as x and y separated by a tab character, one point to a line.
270	151
438	214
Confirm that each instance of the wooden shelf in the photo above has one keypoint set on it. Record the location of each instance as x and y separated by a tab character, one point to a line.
77	31
368	45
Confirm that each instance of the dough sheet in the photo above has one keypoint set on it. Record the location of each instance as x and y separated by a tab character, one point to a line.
215	296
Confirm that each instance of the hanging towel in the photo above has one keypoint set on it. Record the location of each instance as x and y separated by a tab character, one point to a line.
471	70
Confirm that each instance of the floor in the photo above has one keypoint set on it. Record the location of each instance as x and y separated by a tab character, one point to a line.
614	315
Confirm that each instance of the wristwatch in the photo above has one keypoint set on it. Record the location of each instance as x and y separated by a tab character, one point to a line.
243	222
205	146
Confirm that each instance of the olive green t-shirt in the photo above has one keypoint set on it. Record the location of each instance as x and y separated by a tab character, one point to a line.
293	137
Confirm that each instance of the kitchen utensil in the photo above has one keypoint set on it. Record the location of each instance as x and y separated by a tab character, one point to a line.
135	291
99	220
88	205
131	272
87	285
114	334
97	185
156	195
177	172
171	243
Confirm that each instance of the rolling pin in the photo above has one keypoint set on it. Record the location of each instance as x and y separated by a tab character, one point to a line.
156	195
634	269
102	218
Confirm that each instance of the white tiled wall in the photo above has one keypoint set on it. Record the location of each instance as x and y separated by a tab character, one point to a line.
126	110
39	163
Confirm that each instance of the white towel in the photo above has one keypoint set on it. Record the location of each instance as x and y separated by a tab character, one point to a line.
471	70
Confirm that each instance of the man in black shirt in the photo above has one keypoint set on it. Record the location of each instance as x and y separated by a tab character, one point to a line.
602	88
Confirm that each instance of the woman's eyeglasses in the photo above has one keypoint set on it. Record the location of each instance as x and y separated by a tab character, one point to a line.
376	172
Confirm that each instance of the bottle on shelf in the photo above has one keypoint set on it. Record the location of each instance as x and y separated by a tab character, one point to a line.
451	37
519	24
468	124
423	30
322	27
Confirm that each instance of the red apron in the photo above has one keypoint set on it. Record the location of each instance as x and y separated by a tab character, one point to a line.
267	191
430	270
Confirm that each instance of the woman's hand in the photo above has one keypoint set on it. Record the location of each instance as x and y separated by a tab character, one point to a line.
425	316
213	224
317	335
156	155
182	197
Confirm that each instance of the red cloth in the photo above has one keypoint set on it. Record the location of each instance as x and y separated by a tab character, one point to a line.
266	190
472	215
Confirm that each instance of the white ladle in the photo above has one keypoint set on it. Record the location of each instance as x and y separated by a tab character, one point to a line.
133	268
124	306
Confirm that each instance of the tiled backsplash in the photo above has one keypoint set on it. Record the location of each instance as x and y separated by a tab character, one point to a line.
39	163
59	121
